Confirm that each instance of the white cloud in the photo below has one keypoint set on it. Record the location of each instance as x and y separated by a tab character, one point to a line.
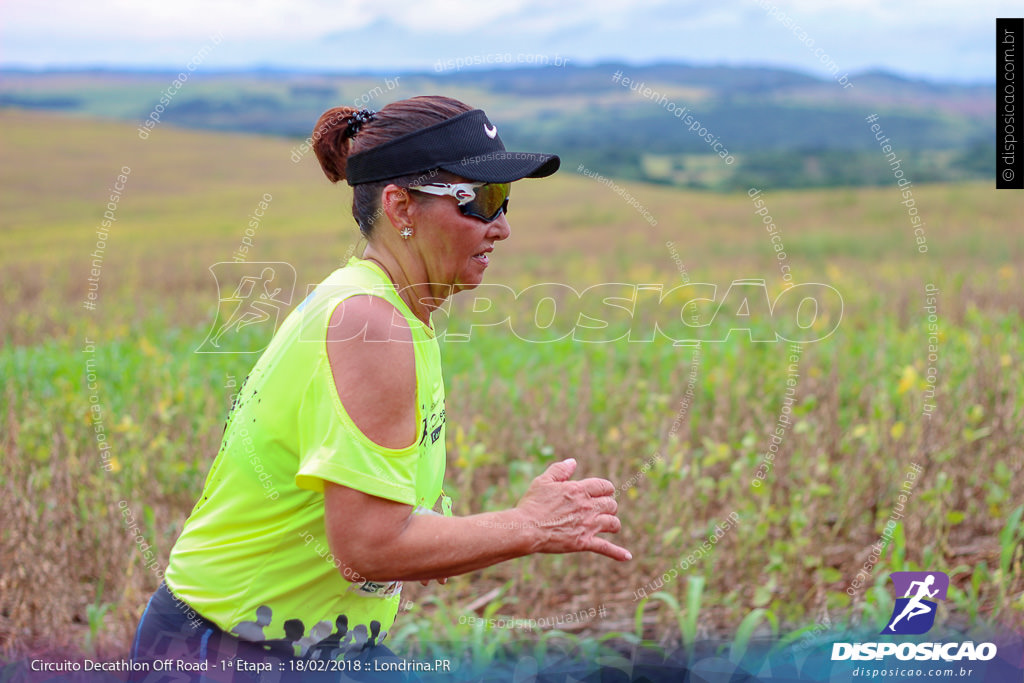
913	36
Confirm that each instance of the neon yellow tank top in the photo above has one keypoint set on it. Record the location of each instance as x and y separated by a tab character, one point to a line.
253	557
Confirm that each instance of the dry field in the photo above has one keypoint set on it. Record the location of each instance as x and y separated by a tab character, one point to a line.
683	430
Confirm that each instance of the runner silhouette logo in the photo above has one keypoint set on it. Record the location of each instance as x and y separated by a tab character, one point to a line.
914	612
251	297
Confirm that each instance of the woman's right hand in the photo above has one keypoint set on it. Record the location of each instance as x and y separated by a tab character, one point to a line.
567	516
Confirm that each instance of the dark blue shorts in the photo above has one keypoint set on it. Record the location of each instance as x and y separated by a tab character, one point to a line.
174	643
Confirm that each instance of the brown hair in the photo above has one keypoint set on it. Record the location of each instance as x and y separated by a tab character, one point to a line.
333	143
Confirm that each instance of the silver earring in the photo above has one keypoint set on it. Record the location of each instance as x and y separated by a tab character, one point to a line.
406	233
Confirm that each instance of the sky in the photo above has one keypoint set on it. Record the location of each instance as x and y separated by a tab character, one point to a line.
945	40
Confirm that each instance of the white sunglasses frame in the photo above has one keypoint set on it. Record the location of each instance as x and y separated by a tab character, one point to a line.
451	190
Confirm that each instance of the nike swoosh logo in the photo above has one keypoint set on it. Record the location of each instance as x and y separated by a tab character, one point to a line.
490	130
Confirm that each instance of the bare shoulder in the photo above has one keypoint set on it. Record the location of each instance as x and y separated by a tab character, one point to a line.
371	355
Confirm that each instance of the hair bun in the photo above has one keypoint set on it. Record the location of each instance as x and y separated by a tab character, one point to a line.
342	131
355	121
331	139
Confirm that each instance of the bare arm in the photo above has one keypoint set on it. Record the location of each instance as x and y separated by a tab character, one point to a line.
384	541
381	539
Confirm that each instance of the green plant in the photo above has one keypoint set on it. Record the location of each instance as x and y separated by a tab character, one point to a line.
95	614
1010	551
746	629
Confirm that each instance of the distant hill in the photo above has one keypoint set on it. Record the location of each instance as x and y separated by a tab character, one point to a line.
779	127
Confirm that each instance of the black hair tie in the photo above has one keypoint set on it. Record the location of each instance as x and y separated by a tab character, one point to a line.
356	121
